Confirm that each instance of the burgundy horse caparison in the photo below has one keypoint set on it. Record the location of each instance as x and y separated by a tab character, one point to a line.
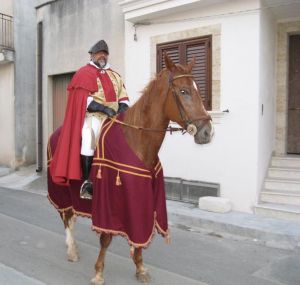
171	96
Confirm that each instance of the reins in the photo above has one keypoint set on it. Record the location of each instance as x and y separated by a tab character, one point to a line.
189	126
168	129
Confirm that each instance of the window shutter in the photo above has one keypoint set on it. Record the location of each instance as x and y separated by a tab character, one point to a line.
183	52
173	53
201	70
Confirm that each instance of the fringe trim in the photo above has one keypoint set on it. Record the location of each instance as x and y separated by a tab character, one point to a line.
62	210
156	228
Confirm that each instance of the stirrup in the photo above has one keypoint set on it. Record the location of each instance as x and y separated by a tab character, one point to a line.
86	190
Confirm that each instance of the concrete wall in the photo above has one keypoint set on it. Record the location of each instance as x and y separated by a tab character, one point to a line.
267	98
7	152
7	142
17	88
232	157
70	29
25	66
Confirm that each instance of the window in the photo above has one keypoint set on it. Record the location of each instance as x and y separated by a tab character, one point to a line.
183	52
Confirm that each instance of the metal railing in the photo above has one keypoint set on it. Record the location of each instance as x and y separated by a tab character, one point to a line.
6	32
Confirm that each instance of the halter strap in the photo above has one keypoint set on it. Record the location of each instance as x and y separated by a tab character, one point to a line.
180	108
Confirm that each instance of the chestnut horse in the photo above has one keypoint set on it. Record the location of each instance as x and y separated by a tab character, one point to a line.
171	96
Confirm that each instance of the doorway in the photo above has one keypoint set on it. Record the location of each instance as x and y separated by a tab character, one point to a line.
60	96
293	135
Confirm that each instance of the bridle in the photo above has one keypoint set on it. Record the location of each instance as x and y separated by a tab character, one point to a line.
188	123
189	127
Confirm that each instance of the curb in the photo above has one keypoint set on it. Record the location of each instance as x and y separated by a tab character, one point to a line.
271	232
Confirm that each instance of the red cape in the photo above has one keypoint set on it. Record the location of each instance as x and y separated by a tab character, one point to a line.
65	165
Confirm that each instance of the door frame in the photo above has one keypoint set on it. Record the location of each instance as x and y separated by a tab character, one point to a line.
284	30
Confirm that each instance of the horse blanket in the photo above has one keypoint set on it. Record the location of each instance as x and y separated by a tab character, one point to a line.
128	199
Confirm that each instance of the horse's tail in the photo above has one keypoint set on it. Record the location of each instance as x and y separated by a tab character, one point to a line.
52	143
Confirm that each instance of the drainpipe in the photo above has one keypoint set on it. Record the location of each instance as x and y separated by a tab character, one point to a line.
39	122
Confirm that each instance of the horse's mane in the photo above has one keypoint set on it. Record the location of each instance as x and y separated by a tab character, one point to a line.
150	92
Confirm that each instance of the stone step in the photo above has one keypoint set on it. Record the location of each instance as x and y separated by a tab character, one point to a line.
280	197
284	173
282	184
286	161
278	211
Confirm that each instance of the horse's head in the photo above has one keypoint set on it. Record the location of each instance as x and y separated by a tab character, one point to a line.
184	104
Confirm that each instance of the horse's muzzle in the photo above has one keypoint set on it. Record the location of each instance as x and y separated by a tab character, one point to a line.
205	132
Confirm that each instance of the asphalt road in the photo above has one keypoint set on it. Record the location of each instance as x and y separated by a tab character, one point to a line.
32	251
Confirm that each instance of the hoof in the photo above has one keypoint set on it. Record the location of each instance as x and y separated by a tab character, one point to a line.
73	255
74	258
97	281
143	277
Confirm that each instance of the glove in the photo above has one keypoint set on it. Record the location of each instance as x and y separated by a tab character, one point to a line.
96	107
122	107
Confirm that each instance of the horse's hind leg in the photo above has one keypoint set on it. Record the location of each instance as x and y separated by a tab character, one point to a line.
69	219
105	241
141	274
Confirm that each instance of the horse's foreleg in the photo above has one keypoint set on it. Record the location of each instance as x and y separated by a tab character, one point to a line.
69	219
105	241
141	274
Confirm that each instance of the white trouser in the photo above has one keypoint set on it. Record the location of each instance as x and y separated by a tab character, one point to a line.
90	134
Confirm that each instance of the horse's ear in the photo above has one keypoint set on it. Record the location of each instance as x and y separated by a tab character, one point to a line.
169	63
191	64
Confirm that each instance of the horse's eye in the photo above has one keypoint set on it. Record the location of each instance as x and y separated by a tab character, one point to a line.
183	92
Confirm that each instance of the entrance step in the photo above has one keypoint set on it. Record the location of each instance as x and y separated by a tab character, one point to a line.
279	211
280	197
284	173
286	161
282	184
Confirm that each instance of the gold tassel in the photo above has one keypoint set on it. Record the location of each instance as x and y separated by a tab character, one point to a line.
118	180
131	251
99	175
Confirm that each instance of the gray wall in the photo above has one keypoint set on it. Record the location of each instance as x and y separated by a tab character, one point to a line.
70	28
25	42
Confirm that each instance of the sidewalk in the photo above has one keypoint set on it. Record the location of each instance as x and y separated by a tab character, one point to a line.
270	232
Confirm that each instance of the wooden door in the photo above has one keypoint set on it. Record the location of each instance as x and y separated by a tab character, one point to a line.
293	143
60	96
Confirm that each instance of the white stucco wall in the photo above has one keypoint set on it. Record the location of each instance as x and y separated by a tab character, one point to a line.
267	92
7	143
232	157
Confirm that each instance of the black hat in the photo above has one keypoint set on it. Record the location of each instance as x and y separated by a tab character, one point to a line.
99	46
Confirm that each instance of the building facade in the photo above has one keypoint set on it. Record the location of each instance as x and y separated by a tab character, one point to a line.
250	43
243	50
17	83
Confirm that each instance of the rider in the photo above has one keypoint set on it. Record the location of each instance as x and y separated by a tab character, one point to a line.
95	93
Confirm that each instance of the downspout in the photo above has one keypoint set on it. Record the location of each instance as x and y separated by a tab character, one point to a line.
39	160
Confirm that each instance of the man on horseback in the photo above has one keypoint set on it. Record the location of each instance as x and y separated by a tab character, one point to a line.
95	93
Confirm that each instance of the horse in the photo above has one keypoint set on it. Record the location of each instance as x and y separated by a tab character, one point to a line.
171	96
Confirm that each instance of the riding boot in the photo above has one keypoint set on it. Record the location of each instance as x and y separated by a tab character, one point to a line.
86	189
